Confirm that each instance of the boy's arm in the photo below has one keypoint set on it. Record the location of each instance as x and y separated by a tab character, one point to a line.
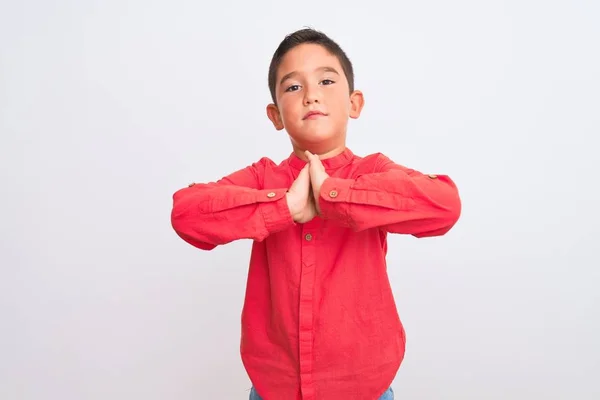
394	198
236	207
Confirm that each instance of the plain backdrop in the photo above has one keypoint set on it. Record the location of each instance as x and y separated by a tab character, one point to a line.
108	107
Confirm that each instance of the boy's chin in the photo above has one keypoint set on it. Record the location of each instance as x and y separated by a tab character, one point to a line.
315	133
315	137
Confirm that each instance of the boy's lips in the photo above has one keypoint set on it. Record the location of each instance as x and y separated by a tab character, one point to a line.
314	114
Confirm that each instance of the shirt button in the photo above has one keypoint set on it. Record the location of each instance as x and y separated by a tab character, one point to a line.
308	237
432	176
271	194
333	193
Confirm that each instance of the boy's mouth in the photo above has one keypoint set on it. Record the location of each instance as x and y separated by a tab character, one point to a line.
314	114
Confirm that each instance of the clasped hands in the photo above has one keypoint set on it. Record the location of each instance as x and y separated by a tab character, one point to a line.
302	197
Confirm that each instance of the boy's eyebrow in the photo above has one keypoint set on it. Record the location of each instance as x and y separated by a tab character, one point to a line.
291	74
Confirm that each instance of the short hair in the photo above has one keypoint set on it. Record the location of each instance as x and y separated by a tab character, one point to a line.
302	36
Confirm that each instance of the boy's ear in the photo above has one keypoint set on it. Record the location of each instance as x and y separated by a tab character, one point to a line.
357	101
275	116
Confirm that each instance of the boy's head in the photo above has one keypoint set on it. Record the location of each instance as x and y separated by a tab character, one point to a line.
311	81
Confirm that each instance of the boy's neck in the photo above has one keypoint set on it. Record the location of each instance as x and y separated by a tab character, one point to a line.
322	153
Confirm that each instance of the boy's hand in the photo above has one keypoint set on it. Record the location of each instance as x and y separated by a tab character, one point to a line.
317	176
299	198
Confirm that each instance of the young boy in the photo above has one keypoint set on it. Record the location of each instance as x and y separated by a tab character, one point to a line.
319	320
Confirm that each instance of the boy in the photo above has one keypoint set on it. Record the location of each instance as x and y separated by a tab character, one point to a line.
319	319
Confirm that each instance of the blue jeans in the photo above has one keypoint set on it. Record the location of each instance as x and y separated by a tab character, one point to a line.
388	395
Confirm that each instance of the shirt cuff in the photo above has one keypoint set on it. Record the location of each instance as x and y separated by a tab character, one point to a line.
333	199
275	210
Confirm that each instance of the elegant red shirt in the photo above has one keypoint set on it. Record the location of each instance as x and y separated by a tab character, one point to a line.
319	319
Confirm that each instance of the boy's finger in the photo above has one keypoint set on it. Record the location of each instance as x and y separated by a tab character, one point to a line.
305	172
314	159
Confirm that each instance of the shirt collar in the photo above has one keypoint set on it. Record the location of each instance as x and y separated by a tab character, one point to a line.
335	162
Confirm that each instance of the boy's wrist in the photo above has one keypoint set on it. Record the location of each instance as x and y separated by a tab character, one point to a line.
292	205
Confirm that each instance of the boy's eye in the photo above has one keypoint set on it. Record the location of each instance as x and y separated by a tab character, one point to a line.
327	82
292	88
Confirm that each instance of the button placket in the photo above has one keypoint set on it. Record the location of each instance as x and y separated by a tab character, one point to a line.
305	326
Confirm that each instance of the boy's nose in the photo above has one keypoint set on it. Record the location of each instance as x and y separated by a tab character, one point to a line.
311	96
308	100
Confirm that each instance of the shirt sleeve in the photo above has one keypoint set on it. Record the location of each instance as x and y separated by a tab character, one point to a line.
235	207
394	198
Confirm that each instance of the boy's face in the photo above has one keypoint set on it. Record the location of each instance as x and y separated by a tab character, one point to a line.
313	99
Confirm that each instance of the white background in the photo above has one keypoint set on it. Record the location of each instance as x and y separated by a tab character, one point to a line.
108	107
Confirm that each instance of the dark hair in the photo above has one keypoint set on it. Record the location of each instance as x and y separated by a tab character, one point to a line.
308	35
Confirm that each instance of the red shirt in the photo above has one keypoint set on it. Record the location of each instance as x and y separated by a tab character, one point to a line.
319	319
